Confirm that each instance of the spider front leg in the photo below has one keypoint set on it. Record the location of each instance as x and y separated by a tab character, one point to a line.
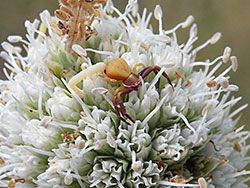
118	104
145	72
97	68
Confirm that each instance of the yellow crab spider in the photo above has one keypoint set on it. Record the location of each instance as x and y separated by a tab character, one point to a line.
117	69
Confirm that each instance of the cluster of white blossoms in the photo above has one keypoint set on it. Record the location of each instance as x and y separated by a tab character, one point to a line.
185	136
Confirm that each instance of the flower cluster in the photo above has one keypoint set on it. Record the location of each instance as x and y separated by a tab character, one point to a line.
183	136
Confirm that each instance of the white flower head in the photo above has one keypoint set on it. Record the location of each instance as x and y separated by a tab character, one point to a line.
65	122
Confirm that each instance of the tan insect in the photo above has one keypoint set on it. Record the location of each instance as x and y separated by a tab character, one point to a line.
76	17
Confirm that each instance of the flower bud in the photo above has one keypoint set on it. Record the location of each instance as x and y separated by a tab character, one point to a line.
234	62
202	182
158	12
215	38
68	179
79	50
188	22
137	166
227	54
14	38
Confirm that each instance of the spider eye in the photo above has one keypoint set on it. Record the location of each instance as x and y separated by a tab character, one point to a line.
89	1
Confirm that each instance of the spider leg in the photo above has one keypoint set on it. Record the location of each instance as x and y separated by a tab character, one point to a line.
118	110
118	103
97	68
145	72
124	112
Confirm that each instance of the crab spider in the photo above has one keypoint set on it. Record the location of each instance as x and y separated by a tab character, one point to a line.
117	69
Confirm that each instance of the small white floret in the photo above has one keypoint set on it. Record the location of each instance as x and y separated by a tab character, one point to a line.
135	9
158	12
234	63
188	22
12	49
14	38
100	90
215	38
45	121
227	54
68	179
79	50
223	82
79	142
193	31
45	17
137	166
202	183
233	88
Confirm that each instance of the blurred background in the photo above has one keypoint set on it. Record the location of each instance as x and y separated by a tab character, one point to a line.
231	17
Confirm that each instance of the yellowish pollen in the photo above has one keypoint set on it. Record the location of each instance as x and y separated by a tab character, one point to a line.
61	14
202	182
237	147
137	66
188	83
211	83
210	158
179	75
18	63
223	161
70	137
144	46
2	162
26	69
111	43
12	182
180	179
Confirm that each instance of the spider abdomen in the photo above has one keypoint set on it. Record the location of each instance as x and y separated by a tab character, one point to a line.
118	69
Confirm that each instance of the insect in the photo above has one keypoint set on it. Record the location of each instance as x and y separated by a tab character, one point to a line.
117	69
